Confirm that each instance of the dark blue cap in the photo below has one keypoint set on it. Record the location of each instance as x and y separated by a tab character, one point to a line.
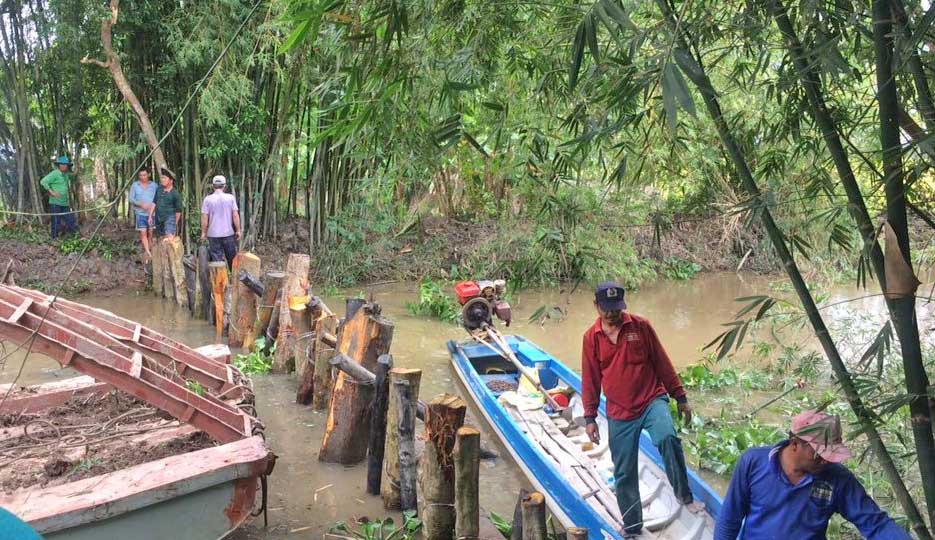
609	296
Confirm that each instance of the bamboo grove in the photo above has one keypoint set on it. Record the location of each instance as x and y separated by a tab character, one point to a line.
809	121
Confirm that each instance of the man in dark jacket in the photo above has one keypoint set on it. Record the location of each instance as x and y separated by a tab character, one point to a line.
622	356
168	206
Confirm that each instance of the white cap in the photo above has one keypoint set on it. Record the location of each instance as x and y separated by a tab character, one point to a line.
219	180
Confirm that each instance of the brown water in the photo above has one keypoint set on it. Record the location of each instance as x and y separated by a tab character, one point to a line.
306	496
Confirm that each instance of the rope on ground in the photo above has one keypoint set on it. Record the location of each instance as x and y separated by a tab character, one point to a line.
35	332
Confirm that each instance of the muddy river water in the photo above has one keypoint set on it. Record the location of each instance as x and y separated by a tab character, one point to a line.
306	496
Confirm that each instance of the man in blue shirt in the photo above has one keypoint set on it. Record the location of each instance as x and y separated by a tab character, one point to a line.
142	197
790	490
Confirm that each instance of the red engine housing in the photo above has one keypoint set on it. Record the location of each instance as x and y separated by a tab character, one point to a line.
466	290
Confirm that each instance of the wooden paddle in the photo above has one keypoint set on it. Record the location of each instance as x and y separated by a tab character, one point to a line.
505	351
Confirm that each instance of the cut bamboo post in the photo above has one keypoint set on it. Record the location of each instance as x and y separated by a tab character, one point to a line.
363	338
174	271
272	331
158	264
444	415
306	347
243	309
321	378
467	479
295	284
534	526
230	295
577	533
302	325
389	486
351	305
203	308
272	282
517	532
405	434
377	439
218	272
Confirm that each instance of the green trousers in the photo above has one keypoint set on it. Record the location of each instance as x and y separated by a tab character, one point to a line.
624	449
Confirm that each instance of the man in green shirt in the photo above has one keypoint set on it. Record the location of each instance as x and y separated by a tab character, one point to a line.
56	183
168	207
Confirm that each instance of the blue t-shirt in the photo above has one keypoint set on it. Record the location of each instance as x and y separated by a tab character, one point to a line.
140	194
761	499
13	528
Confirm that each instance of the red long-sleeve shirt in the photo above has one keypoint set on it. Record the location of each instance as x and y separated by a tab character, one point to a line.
632	372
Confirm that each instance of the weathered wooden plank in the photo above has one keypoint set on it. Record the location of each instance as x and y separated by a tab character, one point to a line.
94	499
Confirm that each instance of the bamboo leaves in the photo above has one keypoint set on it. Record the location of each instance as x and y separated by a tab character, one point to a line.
612	15
307	16
675	94
733	338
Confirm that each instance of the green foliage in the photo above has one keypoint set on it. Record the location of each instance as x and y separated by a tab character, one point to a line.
679	269
103	247
436	300
381	529
85	465
256	362
720	443
702	377
29	235
195	387
504	527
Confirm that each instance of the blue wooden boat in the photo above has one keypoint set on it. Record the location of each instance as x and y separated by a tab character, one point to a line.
552	449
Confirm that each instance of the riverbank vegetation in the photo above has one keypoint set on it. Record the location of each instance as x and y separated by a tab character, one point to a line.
537	142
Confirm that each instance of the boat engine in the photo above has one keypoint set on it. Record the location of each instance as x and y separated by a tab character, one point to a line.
480	301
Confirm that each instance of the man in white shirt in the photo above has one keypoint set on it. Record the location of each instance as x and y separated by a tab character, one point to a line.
220	223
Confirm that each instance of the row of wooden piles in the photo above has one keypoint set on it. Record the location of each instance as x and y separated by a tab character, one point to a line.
344	366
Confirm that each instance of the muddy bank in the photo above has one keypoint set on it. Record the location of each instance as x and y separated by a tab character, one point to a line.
88	436
110	266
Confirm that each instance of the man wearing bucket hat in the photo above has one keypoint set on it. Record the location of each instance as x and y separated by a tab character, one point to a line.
622	355
220	222
56	183
790	490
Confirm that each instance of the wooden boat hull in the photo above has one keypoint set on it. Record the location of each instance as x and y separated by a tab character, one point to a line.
202	494
566	503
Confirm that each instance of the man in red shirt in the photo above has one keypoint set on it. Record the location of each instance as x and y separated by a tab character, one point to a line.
622	356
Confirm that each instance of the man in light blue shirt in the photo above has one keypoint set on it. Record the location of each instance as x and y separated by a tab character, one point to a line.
142	194
789	491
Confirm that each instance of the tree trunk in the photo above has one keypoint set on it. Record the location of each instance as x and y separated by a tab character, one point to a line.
322	380
405	435
295	284
364	338
694	69
389	487
112	63
301	322
243	317
903	306
218	271
272	282
204	285
443	417
534	527
173	270
377	440
467	478
159	267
